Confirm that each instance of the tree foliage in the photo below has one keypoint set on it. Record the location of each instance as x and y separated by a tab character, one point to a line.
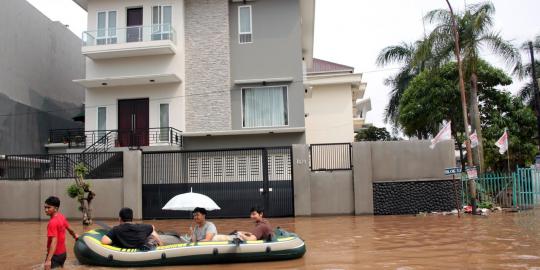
373	133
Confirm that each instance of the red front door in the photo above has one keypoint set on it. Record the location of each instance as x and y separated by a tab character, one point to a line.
133	122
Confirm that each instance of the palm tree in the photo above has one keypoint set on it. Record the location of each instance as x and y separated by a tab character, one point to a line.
474	26
527	92
413	57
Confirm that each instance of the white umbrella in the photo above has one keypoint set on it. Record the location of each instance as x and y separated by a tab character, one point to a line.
189	201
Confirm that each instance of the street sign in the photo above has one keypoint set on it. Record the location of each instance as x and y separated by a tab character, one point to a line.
450	171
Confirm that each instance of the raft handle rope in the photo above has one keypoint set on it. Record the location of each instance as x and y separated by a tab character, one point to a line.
163	256
215	251
268	249
110	257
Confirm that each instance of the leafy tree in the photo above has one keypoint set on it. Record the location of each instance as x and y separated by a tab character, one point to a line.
474	27
433	97
413	57
499	111
81	191
373	133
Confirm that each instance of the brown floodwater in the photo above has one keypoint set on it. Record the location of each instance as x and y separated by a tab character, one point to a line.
497	241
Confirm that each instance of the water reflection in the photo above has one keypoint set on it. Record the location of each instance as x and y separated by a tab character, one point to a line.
498	241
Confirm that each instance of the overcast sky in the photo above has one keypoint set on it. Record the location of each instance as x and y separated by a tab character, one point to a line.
352	32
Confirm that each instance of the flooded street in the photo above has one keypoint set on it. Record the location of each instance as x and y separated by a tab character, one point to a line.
498	241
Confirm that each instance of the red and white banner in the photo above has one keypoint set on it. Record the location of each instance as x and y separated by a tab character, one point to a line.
444	134
474	140
502	143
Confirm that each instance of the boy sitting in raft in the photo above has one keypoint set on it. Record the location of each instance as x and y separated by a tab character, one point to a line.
132	235
262	231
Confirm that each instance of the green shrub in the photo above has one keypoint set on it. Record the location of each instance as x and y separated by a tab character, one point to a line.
74	191
485	204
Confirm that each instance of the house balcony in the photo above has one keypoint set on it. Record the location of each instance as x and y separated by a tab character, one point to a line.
358	123
81	139
132	41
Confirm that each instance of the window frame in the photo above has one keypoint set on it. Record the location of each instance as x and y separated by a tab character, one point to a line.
160	26
107	37
101	132
240	33
258	87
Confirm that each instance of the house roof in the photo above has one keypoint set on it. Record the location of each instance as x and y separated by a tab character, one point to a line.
323	67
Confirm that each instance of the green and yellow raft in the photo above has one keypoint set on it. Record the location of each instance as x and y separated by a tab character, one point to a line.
89	250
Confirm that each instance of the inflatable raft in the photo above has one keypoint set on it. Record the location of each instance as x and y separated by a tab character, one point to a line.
89	250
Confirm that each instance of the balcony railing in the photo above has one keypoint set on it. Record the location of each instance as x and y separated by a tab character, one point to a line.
108	36
78	138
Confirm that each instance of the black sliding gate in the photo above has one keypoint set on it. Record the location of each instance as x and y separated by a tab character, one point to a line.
236	179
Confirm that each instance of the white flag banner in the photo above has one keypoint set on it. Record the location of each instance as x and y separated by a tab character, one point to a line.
474	140
444	134
502	143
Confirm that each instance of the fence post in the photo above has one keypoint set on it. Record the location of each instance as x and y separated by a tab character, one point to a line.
514	192
266	185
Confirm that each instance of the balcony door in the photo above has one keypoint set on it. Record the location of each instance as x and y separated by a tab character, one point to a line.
134	23
133	122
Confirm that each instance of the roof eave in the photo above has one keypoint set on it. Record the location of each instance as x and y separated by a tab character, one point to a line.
82	3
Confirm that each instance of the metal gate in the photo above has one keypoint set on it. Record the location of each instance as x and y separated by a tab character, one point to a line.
236	179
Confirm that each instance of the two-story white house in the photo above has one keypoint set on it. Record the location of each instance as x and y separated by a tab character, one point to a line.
334	103
210	73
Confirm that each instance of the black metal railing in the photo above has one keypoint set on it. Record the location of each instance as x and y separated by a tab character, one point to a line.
78	138
330	156
74	138
58	166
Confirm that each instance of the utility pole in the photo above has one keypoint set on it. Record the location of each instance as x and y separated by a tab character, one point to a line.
471	182
536	94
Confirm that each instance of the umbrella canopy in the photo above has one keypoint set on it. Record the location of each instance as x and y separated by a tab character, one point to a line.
189	201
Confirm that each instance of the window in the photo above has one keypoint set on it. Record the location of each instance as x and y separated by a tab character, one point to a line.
264	106
161	22
101	121
245	32
106	28
164	122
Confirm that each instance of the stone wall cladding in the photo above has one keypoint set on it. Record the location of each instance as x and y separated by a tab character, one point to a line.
398	198
208	101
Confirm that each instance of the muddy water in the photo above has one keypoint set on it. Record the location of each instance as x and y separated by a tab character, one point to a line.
498	241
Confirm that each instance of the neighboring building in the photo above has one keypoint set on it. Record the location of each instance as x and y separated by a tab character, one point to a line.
224	73
39	59
335	105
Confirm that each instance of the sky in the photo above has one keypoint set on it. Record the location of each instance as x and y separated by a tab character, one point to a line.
353	32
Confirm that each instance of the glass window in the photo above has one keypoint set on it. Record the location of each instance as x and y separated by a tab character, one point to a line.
245	24
265	106
161	22
102	121
106	27
164	122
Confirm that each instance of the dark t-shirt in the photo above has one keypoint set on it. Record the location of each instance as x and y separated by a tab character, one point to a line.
262	230
130	235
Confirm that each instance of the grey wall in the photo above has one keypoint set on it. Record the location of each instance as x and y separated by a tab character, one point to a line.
241	141
276	52
332	193
208	101
24	199
386	178
39	60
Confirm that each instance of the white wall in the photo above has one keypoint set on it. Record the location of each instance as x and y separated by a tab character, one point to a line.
329	114
145	65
